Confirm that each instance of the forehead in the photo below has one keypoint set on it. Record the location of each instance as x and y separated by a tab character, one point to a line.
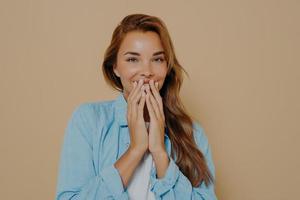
141	42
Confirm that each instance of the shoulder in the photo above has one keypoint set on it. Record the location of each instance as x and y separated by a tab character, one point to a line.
87	116
203	144
200	137
92	110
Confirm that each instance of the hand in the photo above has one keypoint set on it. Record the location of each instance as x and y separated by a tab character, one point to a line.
135	117
157	119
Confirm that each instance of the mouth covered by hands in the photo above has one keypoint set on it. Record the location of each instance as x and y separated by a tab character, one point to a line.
146	95
154	105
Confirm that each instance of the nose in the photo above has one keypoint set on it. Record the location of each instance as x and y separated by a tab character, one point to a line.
147	70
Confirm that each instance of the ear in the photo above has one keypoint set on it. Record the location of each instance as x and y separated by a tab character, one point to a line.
116	71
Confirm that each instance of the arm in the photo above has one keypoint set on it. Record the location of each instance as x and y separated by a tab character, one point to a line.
77	178
161	161
175	185
127	164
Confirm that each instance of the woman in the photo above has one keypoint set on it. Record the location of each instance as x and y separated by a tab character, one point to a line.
143	144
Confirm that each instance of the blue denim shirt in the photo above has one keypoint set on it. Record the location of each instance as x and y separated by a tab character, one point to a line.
96	137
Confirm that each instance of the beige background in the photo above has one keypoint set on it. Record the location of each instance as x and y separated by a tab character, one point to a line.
243	61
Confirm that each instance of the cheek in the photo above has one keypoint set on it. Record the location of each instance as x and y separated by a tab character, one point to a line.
127	80
127	74
161	74
130	77
126	70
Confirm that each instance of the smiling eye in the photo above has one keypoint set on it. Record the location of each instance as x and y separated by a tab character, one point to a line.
159	59
131	60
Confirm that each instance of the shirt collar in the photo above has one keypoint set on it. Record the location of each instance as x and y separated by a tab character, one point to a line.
120	106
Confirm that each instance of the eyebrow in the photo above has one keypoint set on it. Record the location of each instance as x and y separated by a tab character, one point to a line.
137	54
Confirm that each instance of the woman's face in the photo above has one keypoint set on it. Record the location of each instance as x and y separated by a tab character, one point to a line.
141	56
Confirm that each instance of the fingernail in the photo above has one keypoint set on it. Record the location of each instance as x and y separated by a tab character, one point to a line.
156	84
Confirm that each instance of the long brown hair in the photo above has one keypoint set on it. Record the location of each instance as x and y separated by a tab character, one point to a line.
179	124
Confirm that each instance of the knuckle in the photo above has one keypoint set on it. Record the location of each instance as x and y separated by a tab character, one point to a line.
129	98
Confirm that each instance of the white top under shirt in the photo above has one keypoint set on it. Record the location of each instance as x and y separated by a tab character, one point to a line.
139	185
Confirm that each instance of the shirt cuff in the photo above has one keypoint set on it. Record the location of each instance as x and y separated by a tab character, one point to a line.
163	185
113	181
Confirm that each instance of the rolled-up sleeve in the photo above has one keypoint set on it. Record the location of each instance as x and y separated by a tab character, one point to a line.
77	178
175	185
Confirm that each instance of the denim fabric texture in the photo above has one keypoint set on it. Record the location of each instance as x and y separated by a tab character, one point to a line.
96	136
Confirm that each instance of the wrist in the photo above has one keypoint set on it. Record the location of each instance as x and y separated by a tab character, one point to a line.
161	160
135	151
159	154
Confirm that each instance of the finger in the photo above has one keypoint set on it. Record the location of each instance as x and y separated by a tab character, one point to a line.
154	104
150	107
133	89
157	96
131	102
141	105
133	92
136	101
136	90
129	110
137	97
161	106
